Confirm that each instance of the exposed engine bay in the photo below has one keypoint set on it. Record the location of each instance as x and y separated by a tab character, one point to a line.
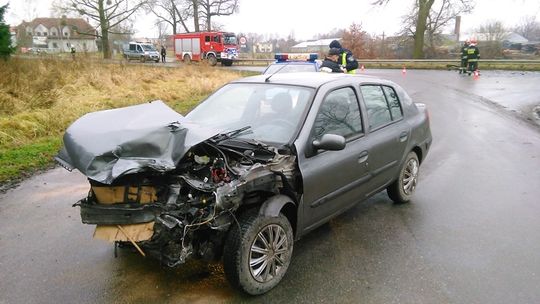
186	212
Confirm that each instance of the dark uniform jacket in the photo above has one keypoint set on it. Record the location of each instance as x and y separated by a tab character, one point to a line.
346	58
332	65
464	49
473	54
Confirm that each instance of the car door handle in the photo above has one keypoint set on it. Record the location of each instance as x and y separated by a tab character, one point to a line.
403	136
363	156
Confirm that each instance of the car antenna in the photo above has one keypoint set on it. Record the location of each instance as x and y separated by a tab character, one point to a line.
277	71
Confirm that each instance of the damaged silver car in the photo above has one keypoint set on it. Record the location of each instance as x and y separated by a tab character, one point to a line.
253	168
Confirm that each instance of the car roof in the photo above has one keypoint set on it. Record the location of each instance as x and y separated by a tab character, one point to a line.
309	79
294	62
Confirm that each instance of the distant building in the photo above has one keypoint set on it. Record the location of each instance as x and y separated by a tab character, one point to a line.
508	37
314	46
58	34
13	34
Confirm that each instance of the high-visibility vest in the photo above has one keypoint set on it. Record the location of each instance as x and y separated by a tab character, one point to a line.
344	62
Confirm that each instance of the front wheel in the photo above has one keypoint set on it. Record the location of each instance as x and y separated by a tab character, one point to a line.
212	60
258	252
402	189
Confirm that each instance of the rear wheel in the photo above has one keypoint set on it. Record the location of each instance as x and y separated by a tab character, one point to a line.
226	62
258	252
187	59
402	189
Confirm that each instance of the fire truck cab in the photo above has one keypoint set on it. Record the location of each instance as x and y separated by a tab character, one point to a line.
212	46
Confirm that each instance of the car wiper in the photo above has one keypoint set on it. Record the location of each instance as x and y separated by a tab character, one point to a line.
252	144
231	134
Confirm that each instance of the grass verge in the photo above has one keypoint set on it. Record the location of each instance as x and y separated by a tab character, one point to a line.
40	98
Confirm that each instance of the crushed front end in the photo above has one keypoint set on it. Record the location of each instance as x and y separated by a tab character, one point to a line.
167	186
186	212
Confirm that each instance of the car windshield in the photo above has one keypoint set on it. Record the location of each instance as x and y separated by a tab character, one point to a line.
272	111
229	40
148	47
290	68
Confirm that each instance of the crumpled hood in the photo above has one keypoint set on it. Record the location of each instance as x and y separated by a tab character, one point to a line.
105	145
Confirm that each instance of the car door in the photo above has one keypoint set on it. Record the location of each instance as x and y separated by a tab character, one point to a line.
388	134
332	180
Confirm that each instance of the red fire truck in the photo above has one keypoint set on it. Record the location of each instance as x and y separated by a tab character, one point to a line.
212	46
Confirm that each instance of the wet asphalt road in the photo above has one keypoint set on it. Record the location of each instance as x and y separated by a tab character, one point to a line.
470	235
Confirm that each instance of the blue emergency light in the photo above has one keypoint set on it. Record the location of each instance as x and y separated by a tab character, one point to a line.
282	57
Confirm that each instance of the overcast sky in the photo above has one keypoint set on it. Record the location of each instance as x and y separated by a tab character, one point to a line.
307	18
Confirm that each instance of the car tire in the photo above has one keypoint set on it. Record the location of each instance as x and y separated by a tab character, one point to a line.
402	189
187	59
245	244
227	62
212	60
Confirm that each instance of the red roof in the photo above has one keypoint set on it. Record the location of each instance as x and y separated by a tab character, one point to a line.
79	28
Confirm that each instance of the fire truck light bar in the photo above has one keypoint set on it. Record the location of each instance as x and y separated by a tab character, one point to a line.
280	57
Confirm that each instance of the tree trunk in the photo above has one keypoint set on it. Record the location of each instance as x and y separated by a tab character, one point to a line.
196	15
423	11
209	22
104	31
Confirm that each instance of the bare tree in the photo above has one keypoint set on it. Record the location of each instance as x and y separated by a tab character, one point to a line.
333	33
196	22
358	41
172	12
529	28
108	14
441	14
210	8
491	35
422	16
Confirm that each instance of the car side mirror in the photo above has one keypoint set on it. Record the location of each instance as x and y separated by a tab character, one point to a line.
330	142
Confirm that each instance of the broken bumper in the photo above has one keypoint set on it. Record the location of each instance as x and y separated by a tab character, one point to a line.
117	214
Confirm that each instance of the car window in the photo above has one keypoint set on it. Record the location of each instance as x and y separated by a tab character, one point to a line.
393	101
148	47
273	111
339	114
132	47
207	38
216	39
377	108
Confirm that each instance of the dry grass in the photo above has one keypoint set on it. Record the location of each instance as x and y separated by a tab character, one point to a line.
40	98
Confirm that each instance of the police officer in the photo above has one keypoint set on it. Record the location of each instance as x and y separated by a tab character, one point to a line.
163	53
464	55
330	63
346	58
473	55
72	51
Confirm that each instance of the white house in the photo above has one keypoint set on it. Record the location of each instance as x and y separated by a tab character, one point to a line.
317	46
58	34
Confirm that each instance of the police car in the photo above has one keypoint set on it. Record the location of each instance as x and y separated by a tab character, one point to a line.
293	63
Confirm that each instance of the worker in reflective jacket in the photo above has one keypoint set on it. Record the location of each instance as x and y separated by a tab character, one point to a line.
346	58
473	55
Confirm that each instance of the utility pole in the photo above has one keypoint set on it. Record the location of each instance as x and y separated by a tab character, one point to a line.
382	46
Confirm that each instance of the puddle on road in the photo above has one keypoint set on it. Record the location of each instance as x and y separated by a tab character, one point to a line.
143	280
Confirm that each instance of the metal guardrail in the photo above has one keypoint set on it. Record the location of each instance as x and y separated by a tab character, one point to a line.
427	61
449	62
501	61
